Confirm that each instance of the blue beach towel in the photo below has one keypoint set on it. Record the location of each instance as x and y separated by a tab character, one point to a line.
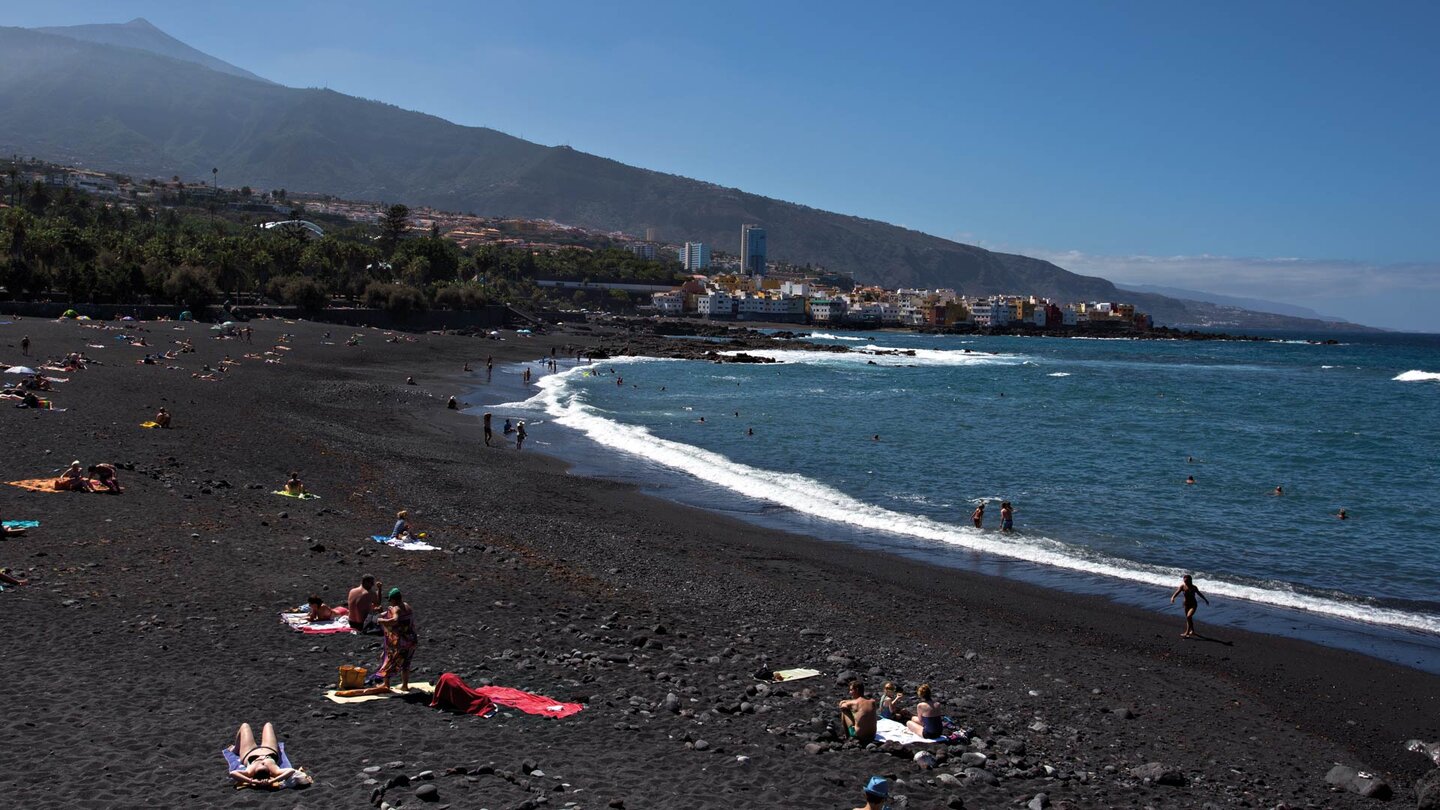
22	524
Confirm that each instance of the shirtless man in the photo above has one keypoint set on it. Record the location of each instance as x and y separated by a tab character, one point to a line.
362	601
489	431
858	714
1190	591
162	418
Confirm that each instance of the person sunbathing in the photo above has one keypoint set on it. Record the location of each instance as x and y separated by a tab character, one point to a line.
293	486
927	722
29	400
260	764
319	611
402	526
857	715
7	579
162	418
103	476
73	479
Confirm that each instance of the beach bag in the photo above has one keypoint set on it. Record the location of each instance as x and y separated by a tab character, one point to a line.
352	677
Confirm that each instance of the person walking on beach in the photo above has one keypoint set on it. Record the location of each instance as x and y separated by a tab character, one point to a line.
25	345
520	435
978	516
1007	517
489	431
1190	591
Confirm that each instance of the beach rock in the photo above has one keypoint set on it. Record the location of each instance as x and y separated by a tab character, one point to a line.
618	804
427	793
1158	774
1368	785
973	759
672	703
955	803
1040	802
814	748
924	759
846	676
949	780
1431	750
1427	791
398	780
981	775
1010	746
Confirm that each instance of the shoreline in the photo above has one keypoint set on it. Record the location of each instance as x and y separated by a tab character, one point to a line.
587	590
584	457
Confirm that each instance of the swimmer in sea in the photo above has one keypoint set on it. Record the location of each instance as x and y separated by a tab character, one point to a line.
1278	491
875	438
1190	480
1190	591
750	432
978	516
1341	515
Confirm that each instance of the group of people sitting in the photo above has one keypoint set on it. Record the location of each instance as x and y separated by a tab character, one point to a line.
367	613
95	478
859	713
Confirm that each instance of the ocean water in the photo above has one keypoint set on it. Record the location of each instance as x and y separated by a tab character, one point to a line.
1091	440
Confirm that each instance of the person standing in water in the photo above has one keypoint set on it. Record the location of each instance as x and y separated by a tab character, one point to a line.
520	435
1007	517
978	516
1190	591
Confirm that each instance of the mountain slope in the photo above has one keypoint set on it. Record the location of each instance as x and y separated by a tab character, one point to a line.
151	115
1253	304
140	34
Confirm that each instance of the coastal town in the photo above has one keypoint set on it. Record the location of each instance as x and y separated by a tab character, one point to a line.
703	282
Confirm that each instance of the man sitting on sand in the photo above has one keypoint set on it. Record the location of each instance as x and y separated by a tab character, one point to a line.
362	601
877	792
858	714
162	418
294	486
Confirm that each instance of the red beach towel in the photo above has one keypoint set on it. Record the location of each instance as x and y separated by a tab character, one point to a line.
452	694
530	703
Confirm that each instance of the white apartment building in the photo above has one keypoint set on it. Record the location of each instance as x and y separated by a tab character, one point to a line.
827	310
669	303
715	304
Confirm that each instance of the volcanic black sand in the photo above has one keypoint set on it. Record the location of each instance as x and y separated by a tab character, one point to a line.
151	630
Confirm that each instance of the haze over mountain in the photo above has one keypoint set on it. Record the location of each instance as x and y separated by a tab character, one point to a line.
130	98
1241	302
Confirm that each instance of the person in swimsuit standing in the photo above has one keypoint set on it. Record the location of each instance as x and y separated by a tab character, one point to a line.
978	516
1007	517
1190	591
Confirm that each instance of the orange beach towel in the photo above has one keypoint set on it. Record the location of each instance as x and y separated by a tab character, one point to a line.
36	485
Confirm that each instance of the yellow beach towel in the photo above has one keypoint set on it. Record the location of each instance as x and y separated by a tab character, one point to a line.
415	686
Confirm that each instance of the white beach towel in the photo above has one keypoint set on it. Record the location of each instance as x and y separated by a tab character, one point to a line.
892	731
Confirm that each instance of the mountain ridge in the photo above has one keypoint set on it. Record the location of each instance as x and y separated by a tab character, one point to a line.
142	34
154	114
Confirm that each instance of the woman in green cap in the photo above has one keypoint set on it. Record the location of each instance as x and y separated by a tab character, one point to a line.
398	624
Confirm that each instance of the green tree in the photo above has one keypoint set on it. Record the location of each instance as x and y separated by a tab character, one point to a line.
394	223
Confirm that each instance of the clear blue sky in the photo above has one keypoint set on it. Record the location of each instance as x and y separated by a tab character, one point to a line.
1182	144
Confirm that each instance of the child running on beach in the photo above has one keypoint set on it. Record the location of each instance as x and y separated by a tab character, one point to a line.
1190	591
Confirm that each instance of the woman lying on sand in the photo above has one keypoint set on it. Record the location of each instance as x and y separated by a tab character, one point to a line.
319	611
261	763
7	579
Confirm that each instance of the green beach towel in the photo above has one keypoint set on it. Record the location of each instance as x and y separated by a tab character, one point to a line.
304	496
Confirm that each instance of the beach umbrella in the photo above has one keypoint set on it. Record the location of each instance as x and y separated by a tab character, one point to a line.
19	370
69	313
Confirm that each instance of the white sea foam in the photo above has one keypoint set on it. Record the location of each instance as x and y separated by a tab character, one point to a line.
828	336
804	495
885	356
1058	374
1417	376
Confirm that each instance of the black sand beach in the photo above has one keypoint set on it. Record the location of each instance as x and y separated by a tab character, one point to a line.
151	630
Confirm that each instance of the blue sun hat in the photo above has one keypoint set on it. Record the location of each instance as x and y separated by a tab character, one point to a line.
878	787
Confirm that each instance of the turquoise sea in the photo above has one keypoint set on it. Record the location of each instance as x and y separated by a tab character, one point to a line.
1091	440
